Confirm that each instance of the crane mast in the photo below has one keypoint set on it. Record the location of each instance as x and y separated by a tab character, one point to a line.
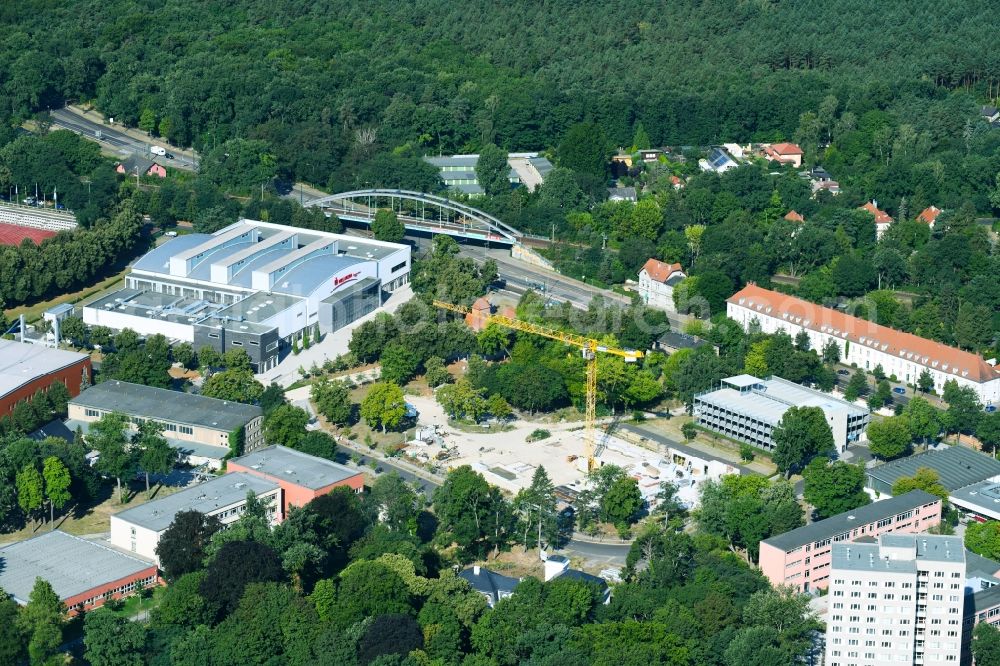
589	348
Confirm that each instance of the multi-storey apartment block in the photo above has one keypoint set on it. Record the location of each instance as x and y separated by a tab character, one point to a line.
801	557
897	601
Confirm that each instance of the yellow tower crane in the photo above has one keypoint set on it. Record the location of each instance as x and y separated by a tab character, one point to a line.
589	347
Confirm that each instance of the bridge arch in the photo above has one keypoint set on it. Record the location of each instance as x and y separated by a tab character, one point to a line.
419	211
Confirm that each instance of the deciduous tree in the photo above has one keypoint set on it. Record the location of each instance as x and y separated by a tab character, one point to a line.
286	426
492	170
156	456
890	437
983	538
925	479
112	640
802	434
835	487
41	621
387	227
384	406
332	400
30	490
57	484
181	547
986	637
234	385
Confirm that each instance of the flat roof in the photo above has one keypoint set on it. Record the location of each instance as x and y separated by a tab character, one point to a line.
984	496
155	305
70	564
874	557
259	307
296	467
987	599
164	404
865	557
957	467
21	363
742	381
845	522
983	566
453	160
755	404
205	498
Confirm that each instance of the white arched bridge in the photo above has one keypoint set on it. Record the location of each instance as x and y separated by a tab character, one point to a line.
427	213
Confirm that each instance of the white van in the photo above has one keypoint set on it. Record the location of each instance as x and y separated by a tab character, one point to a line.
157	150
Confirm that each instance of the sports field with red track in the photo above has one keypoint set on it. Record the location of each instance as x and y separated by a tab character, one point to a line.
12	234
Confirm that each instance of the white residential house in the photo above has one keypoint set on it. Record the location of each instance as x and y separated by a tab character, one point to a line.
657	281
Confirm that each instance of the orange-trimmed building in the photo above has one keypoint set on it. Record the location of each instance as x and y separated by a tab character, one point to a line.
929	215
301	477
784	153
26	369
866	343
657	281
793	216
882	219
83	574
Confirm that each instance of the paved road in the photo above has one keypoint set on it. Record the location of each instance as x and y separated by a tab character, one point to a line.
610	551
424	485
117	140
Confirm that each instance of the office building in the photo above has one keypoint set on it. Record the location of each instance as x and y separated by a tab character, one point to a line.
897	601
253	286
864	343
138	530
956	466
801	557
748	409
26	369
204	430
302	477
83	574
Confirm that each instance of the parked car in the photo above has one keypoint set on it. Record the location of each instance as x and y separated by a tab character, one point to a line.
158	150
843	372
170	234
990	409
899	390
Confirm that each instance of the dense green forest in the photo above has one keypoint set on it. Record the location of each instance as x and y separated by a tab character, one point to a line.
330	85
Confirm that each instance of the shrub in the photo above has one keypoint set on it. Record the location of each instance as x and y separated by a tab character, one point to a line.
538	434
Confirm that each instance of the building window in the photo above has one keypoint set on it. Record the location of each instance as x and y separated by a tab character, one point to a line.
92	412
398	267
186	430
213	335
236	343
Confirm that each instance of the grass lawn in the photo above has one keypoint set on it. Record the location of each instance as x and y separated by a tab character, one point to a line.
90	520
135	604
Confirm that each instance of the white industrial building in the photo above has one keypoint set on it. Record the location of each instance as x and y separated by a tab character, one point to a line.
253	285
864	343
897	601
748	409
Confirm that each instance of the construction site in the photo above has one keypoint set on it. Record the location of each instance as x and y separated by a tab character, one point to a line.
567	451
